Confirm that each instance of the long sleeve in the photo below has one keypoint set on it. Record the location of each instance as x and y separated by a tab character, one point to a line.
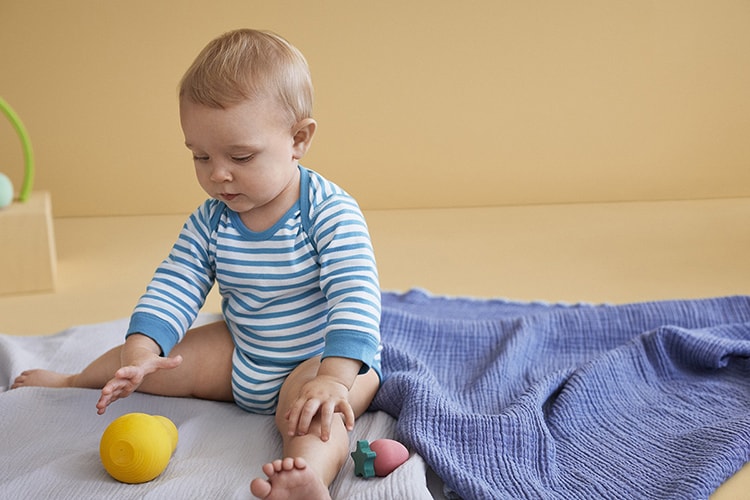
180	284
348	279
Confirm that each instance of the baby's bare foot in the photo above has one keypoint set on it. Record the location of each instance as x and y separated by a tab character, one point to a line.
289	478
42	378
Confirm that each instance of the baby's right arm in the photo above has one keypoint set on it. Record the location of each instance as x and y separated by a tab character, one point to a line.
140	356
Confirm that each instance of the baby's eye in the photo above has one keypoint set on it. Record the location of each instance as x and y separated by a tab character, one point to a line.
200	158
243	158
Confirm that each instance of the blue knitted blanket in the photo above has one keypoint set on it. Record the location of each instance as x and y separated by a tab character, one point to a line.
531	400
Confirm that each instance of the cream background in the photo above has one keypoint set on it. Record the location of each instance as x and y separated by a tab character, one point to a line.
421	103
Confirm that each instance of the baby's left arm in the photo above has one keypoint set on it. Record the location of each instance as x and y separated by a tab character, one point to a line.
349	280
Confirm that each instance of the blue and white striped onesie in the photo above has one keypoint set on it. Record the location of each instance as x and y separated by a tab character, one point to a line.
307	286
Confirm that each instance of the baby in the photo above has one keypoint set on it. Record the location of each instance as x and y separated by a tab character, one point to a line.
293	260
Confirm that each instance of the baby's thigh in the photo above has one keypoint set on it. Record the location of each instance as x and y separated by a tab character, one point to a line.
207	362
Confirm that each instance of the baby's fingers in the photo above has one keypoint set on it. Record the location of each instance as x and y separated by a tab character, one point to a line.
111	392
293	416
302	415
169	363
327	413
326	419
348	413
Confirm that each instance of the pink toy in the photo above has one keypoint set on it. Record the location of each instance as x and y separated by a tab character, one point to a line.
389	454
379	458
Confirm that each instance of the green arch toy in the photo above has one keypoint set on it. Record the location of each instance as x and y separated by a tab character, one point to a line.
28	154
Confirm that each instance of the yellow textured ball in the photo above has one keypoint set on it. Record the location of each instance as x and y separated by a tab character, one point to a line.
136	447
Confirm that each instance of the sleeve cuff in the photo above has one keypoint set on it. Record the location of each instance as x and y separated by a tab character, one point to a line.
154	328
352	345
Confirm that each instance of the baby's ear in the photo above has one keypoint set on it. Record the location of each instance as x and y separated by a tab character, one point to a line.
303	133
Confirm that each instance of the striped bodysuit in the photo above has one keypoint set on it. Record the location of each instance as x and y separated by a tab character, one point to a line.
307	286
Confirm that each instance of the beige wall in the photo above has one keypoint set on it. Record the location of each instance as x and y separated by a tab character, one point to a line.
421	103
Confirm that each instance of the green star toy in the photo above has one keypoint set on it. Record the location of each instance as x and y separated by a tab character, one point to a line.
364	460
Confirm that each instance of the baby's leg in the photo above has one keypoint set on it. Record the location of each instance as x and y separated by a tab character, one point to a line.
205	371
310	464
206	368
94	376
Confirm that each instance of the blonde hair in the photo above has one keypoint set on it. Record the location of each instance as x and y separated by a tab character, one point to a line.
249	64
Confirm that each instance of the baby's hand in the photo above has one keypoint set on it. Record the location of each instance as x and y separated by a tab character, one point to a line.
128	378
140	357
325	395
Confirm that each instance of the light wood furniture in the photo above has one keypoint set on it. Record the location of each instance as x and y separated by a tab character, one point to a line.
28	261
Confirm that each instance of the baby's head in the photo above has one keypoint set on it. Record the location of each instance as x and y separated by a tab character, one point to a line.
250	64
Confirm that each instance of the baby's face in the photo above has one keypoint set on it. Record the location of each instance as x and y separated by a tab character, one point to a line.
244	155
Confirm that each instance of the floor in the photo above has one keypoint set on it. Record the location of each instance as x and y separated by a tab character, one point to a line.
616	253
